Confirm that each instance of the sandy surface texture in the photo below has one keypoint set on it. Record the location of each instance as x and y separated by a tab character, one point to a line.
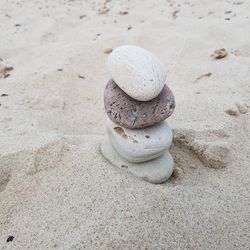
56	189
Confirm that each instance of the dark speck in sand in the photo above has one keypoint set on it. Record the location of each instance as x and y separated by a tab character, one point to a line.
123	13
231	112
204	76
10	238
219	53
81	76
174	14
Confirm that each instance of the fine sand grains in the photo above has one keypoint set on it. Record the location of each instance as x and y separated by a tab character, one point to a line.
57	191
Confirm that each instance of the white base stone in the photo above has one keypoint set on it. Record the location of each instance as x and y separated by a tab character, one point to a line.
155	171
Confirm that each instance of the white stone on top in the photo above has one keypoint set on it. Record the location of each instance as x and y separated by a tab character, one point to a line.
138	72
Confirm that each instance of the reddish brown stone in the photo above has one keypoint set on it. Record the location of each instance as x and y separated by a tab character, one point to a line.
130	113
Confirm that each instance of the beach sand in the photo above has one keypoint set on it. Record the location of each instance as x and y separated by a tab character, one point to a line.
56	189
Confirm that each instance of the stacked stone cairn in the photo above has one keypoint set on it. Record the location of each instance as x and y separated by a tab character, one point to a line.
137	102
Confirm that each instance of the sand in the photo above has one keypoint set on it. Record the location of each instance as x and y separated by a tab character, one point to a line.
56	189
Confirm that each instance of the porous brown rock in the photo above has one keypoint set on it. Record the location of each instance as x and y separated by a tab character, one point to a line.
130	113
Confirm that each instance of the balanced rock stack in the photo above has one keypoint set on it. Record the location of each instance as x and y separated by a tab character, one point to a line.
137	102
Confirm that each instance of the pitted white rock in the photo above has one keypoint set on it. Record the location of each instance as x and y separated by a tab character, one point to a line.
140	145
139	73
155	171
